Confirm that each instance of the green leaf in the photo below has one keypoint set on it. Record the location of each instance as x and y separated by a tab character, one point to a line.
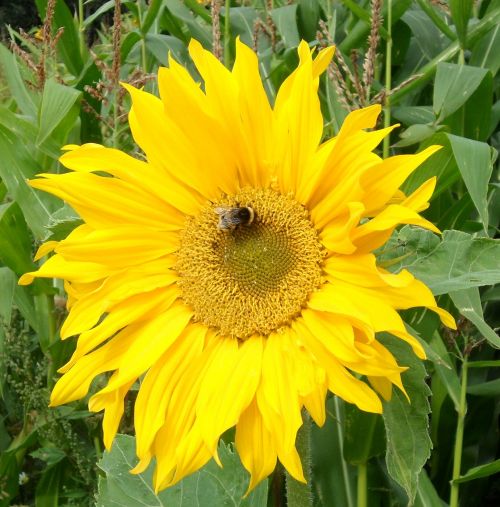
428	37
410	115
442	165
242	23
485	52
437	353
23	300
15	241
473	119
334	478
51	455
457	262
11	73
8	282
128	43
473	159
105	7
426	492
285	19
161	45
468	303
198	30
480	471
69	44
308	14
461	11
62	222
407	423
453	86
47	488
415	134
151	15
490	389
57	105
16	165
429	69
211	486
456	215
26	130
356	422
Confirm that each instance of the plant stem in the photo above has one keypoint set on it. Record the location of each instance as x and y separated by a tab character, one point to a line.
459	436
81	27
388	78
362	485
44	305
299	494
227	34
143	39
461	57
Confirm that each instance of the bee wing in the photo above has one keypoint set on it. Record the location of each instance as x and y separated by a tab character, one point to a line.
221	210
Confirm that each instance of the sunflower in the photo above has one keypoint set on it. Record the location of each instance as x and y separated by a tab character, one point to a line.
231	272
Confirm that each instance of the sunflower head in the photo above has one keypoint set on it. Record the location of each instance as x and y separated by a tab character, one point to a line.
232	271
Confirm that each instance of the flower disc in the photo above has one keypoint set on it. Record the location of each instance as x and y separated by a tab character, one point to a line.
254	278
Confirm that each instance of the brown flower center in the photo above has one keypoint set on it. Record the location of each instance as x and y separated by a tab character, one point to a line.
247	276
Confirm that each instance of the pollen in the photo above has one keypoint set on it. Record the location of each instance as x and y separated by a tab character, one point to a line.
256	278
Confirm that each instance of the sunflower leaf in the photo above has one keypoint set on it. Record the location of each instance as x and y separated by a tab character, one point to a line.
457	262
407	423
211	486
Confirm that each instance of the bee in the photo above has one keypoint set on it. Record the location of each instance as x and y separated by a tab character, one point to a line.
230	218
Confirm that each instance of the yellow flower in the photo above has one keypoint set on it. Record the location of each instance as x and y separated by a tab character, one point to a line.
233	323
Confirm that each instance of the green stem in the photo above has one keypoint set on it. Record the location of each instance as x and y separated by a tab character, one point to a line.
199	9
461	57
143	39
81	27
426	6
299	494
388	78
227	34
459	437
44	306
362	485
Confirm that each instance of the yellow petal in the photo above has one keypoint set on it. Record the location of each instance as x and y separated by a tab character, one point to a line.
113	406
255	445
418	200
153	180
278	401
361	269
299	124
374	233
104	202
159	384
228	387
382	182
256	118
58	267
76	382
340	381
134	311
336	235
151	341
335	332
86	312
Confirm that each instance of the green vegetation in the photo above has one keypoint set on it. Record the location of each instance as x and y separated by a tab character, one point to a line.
434	67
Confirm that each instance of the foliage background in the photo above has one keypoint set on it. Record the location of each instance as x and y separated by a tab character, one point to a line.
59	84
